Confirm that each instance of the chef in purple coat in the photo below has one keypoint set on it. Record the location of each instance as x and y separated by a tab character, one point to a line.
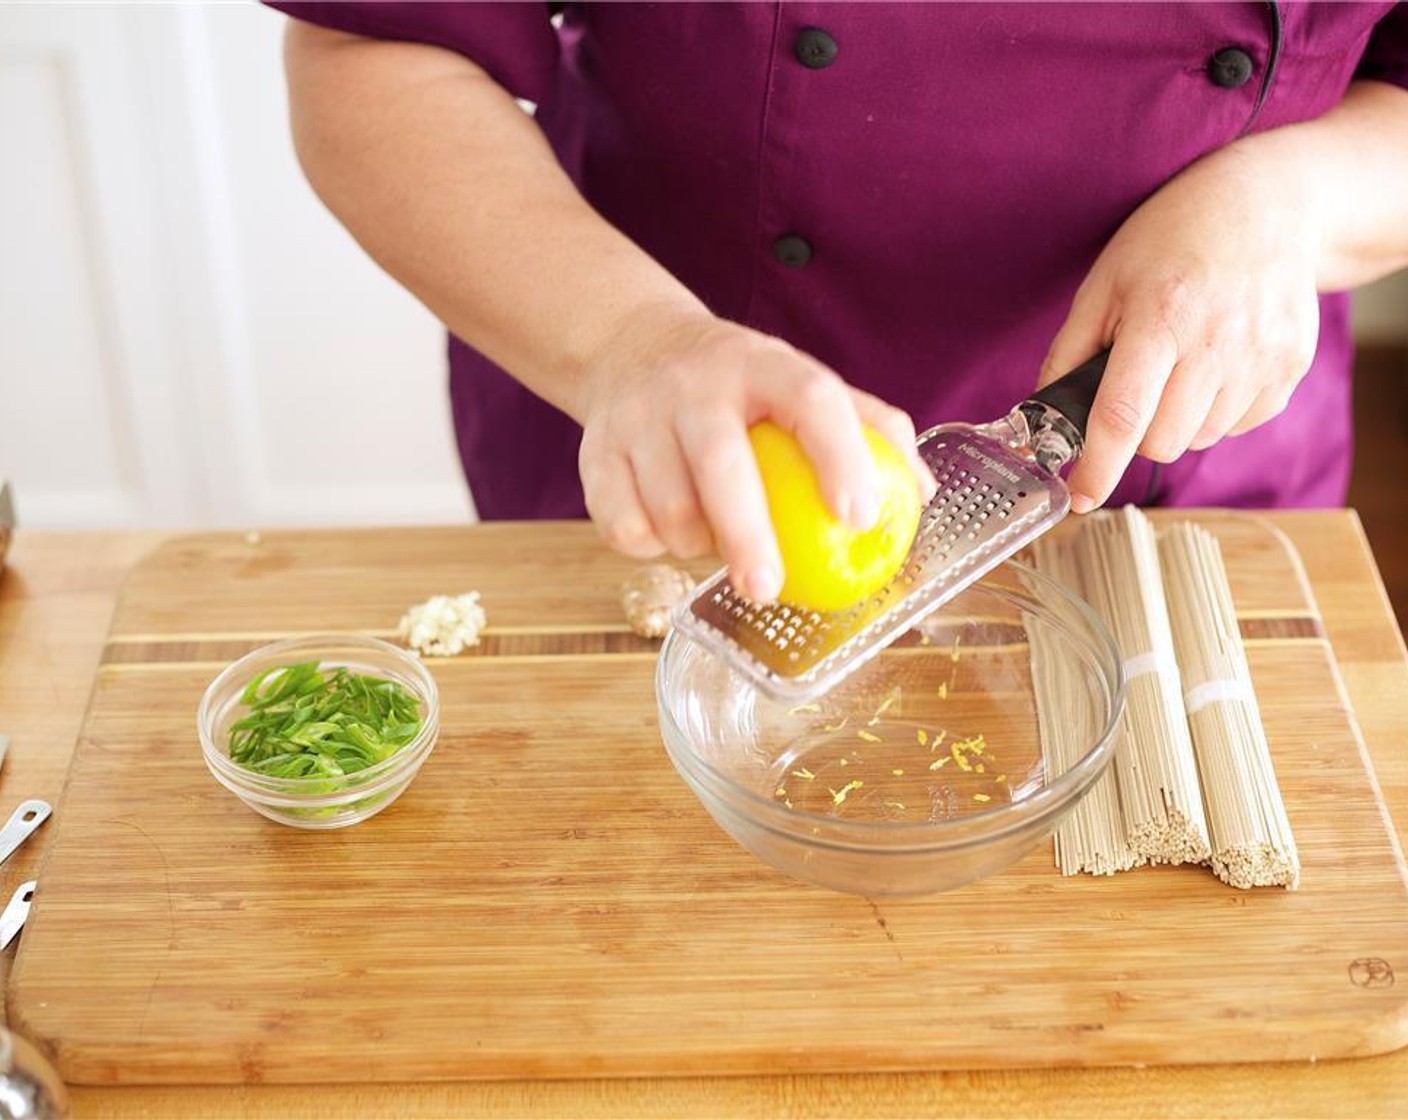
907	214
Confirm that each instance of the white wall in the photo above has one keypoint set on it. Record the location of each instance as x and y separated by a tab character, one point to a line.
186	336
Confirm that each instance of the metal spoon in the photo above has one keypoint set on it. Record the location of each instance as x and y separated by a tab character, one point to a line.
28	816
29	1087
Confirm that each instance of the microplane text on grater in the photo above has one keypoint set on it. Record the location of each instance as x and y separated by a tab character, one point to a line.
999	487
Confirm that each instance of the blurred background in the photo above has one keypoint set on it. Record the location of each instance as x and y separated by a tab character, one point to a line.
187	338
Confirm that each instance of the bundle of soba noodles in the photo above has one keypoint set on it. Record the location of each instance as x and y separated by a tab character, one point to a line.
1192	780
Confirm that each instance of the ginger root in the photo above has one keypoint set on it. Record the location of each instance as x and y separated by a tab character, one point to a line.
651	595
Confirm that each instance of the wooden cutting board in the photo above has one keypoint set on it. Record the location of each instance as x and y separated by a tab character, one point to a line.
548	899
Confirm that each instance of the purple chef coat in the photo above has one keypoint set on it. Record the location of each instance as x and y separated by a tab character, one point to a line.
910	192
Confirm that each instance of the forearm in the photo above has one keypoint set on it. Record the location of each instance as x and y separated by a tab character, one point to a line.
453	190
1353	165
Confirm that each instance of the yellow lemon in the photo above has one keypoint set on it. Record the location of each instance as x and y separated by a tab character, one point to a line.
828	565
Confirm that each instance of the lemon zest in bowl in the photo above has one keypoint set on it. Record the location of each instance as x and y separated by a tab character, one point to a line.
839	795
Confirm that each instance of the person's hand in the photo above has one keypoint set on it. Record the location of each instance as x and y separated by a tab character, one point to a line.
665	460
1208	294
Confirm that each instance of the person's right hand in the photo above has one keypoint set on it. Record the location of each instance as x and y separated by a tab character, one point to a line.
665	460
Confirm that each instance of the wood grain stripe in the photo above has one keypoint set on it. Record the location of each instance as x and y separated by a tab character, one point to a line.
491	644
150	650
1303	627
262	636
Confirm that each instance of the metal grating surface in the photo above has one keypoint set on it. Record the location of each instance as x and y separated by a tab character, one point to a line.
989	503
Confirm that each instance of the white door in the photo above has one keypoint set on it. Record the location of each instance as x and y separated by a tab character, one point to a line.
186	335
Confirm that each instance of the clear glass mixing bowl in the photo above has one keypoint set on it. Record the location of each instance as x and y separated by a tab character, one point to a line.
921	772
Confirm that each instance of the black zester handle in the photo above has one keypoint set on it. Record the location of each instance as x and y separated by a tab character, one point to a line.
1073	393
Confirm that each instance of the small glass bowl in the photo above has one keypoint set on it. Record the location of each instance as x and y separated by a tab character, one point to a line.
921	772
308	802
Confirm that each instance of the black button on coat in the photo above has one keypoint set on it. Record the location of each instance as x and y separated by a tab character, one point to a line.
793	251
814	48
1230	68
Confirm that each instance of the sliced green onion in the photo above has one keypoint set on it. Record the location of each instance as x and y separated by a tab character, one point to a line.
305	721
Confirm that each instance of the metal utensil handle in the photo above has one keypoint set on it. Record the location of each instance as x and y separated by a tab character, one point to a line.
1073	393
15	914
24	820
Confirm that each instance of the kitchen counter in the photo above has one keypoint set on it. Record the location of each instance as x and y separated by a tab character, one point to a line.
57	594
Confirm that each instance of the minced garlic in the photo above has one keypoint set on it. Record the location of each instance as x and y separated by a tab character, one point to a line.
443	625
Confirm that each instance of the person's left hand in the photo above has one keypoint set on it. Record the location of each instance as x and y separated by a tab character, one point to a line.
1208	294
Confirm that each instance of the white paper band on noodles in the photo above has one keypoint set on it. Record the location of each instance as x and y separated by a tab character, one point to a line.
1210	692
1152	662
